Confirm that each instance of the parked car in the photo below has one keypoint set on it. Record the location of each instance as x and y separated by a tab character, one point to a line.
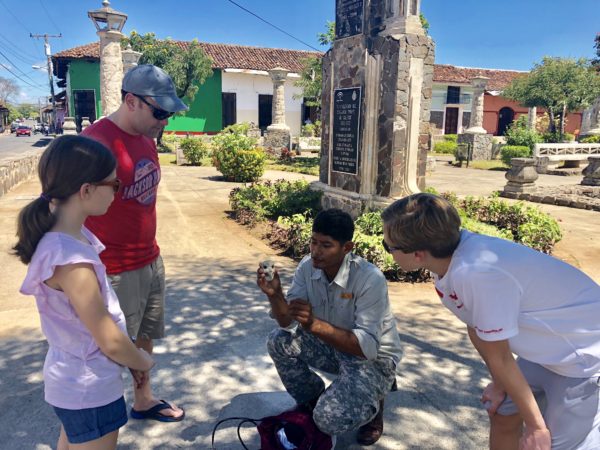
13	127
23	130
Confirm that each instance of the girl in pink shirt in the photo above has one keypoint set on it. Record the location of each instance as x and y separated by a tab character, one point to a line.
79	310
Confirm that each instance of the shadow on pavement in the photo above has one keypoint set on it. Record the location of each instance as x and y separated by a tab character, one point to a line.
214	362
42	142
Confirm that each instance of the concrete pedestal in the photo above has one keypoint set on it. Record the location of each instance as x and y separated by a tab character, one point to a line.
481	144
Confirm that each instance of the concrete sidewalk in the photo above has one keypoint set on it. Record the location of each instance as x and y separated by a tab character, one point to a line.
214	362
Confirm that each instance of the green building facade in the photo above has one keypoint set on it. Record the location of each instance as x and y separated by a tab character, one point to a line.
83	93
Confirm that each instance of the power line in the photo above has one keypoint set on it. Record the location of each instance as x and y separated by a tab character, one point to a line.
29	55
18	77
15	66
49	17
272	25
16	54
19	21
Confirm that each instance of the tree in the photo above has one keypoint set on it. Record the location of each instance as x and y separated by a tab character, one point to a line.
8	89
311	76
596	61
559	85
189	67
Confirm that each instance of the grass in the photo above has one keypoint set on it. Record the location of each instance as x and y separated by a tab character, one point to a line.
167	158
308	166
494	164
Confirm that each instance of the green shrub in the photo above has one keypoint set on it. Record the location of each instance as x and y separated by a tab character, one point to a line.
308	130
508	152
445	147
194	150
518	134
270	200
526	224
568	137
451	138
235	154
590	140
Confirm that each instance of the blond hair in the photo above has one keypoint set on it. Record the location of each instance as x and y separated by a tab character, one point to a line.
423	222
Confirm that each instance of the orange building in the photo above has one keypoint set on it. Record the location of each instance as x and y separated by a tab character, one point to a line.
452	94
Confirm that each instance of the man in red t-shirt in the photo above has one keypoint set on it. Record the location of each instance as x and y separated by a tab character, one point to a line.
128	229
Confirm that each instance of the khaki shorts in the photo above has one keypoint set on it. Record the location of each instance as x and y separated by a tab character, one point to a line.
570	406
141	294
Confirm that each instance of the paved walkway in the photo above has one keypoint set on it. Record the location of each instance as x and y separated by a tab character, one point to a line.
214	361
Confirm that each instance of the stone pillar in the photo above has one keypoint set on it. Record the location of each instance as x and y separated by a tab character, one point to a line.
85	122
590	122
532	118
278	133
111	70
595	121
521	176
130	58
591	174
476	136
401	17
69	126
476	123
376	96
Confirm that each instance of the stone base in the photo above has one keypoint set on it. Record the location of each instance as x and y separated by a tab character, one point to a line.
351	202
519	187
275	139
481	145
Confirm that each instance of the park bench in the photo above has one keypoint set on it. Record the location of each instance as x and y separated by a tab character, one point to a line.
549	156
309	144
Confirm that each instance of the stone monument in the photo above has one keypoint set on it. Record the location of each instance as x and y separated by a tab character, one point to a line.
376	96
278	133
476	136
591	120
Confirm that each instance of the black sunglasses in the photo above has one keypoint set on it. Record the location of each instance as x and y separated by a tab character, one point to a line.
159	114
389	249
115	184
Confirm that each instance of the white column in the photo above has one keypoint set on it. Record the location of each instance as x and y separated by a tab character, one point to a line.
111	70
405	18
130	58
278	75
532	118
476	123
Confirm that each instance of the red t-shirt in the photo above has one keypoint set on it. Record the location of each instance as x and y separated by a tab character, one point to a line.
128	229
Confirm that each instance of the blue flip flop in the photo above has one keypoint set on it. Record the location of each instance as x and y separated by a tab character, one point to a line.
154	413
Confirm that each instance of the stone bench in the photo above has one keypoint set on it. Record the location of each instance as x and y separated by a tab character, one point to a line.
309	144
549	156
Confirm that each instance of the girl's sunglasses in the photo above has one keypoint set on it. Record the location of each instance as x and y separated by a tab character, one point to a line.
115	184
159	114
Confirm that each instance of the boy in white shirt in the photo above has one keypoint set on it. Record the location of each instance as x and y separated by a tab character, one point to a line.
513	299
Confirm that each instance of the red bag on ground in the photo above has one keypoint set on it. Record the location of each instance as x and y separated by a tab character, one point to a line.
300	430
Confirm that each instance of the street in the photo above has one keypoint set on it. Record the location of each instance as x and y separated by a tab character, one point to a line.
12	147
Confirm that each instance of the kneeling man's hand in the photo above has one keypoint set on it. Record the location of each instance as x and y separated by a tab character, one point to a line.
301	311
270	288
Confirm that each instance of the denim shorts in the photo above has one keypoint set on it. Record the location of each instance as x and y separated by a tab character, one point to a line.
84	425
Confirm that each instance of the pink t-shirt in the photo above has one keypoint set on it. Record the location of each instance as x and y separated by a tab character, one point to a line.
77	374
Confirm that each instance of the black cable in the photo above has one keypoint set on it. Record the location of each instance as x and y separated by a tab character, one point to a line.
243	419
274	26
19	21
48	14
17	76
15	66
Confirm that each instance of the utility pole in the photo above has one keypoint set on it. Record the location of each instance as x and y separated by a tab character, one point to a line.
50	76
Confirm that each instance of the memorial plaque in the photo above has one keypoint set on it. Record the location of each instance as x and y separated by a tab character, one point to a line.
348	18
346	127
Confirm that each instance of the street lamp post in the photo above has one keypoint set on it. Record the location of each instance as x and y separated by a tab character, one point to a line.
109	24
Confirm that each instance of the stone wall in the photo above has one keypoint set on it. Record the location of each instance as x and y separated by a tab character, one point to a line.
573	196
15	171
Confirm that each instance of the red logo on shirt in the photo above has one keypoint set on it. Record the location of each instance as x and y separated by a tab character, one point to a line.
489	331
456	301
440	293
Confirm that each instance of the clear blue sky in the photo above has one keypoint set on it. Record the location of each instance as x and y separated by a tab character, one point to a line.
509	34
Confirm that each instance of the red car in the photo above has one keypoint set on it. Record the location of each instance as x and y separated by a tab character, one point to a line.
23	130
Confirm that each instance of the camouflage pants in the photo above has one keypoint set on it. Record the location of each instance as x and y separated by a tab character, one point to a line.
351	400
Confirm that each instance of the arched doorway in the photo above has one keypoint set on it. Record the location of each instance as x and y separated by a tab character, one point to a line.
505	117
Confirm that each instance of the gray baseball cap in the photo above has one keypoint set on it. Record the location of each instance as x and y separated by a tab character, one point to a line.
152	81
